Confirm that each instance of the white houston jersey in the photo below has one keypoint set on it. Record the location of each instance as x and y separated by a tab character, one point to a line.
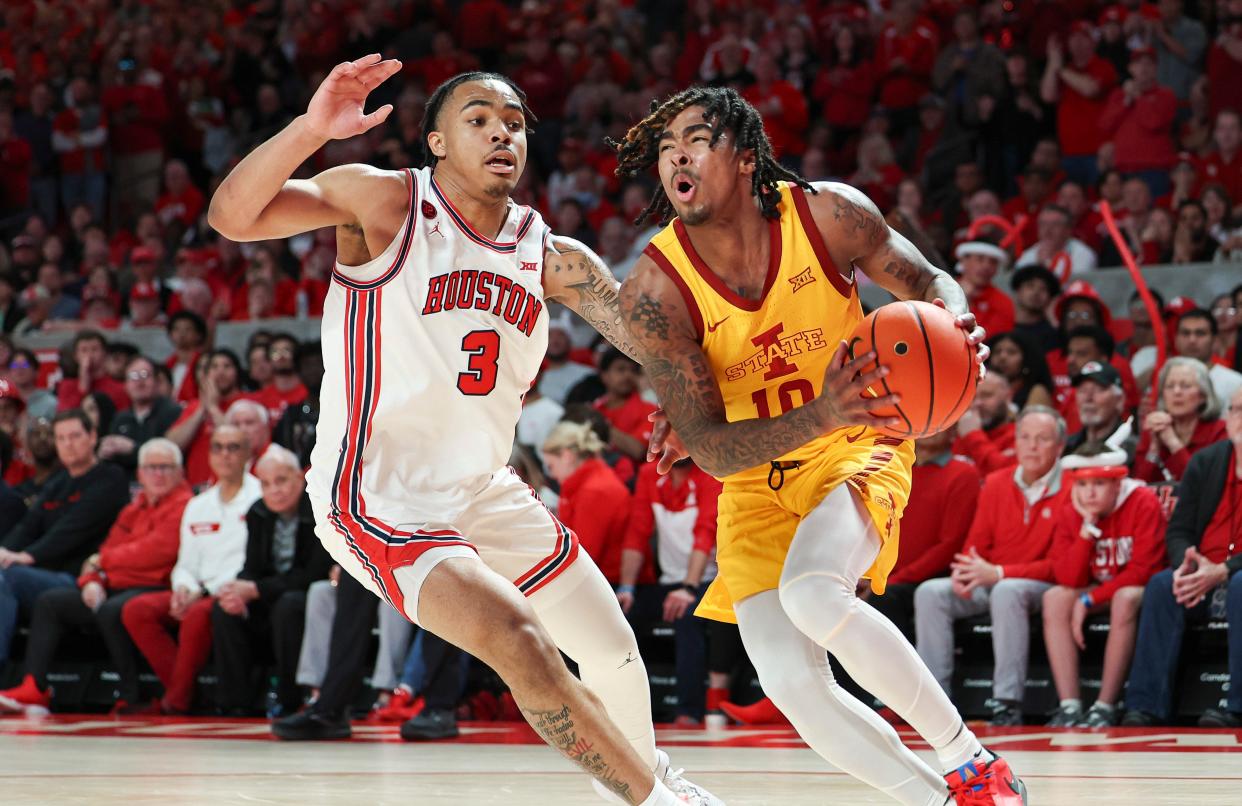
428	350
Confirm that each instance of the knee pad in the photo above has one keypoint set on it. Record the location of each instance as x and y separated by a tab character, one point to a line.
818	604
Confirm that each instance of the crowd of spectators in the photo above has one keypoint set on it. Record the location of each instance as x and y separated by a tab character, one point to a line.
990	133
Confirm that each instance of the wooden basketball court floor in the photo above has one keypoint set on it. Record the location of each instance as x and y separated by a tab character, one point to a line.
102	760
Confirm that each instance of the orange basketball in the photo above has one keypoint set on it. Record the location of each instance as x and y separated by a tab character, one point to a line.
931	365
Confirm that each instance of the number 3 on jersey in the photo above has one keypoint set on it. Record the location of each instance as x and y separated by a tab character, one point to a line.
483	347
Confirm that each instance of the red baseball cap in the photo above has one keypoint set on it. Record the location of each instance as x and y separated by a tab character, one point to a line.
142	254
1114	13
1081	289
142	291
9	392
1082	27
1144	52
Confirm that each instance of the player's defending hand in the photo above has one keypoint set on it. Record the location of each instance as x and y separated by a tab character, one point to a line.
664	443
845	400
335	111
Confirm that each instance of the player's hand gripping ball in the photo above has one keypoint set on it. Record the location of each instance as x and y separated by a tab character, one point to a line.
931	366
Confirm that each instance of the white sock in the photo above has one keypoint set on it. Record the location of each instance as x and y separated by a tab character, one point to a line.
661	795
580	611
1104	706
1075	704
960	750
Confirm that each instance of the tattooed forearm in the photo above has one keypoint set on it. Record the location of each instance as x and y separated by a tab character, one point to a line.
557	729
586	285
689	395
914	278
649	318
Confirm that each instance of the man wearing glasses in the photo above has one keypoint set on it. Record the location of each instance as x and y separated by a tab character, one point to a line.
211	554
149	416
136	558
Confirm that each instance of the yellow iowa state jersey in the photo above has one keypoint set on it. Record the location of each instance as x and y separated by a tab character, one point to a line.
769	354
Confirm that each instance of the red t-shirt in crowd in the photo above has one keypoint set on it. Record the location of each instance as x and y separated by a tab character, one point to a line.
785	128
142	132
276	401
990	450
630	417
596	506
1078	115
1129	550
931	533
16	160
846	94
993	310
1142	133
69	395
1215	169
901	86
197	468
184	206
1223	535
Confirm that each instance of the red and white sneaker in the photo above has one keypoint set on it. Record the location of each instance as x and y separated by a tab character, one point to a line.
26	699
401	707
993	784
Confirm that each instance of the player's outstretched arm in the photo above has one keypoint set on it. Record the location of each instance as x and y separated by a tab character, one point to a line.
857	234
678	370
576	277
258	200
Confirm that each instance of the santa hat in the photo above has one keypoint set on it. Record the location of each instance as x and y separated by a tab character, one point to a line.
984	248
1110	465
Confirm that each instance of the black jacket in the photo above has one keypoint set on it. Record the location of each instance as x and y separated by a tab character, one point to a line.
1198	496
164	412
70	518
310	561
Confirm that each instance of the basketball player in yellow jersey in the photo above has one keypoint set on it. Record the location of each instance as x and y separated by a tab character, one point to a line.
740	309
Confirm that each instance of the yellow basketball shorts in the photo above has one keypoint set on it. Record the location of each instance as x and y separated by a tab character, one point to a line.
755	523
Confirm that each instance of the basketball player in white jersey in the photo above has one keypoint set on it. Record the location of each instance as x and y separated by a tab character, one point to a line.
434	327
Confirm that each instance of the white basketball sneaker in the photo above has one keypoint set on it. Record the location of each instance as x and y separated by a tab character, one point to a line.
686	791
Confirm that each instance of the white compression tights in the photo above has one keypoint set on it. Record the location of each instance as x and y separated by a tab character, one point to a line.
786	631
579	610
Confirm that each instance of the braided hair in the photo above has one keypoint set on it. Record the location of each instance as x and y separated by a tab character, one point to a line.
431	112
726	110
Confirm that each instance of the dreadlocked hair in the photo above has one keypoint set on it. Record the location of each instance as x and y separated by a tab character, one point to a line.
727	111
431	112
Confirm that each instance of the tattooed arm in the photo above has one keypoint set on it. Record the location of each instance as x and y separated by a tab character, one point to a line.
856	234
669	349
578	278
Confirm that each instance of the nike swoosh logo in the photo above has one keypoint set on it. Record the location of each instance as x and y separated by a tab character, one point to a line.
712	328
856	437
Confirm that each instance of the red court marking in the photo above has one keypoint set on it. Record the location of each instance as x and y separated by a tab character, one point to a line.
1003	740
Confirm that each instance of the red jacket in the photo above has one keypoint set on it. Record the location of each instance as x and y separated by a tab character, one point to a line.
658	506
596	506
1150	461
1129	550
901	85
931	532
1143	131
846	94
141	548
784	129
1011	534
989	450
